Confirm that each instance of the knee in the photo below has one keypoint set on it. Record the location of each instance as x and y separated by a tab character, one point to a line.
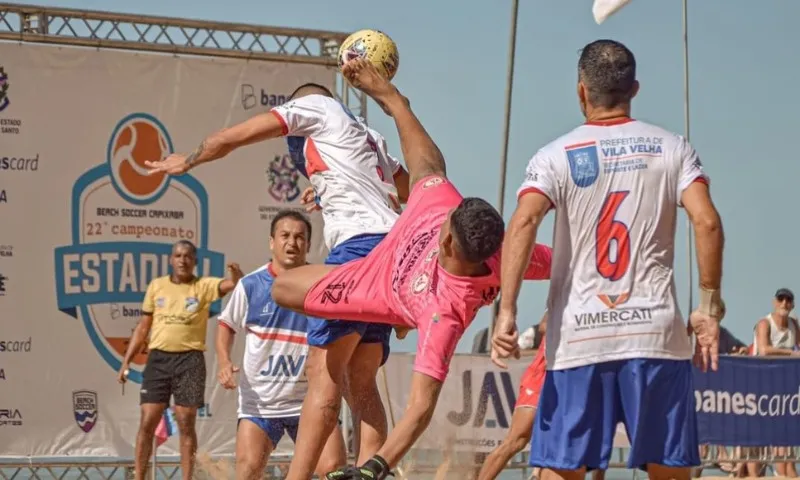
185	424
518	442
248	465
149	423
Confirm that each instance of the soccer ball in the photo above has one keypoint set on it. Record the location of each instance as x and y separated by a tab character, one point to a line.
375	46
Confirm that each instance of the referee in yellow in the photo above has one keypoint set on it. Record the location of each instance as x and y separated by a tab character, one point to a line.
175	317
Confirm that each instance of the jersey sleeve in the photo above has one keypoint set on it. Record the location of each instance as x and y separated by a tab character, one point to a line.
691	167
149	302
210	288
234	315
383	150
439	333
540	178
432	192
539	266
302	117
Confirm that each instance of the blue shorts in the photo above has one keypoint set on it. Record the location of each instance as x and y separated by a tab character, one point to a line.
276	427
579	409
324	332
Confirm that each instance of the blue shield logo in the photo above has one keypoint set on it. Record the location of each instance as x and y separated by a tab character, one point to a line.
584	164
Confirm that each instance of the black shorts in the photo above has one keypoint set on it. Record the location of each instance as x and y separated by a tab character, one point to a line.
181	375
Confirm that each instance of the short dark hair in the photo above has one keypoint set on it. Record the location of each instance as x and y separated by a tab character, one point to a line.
186	243
308	88
294	215
477	228
608	70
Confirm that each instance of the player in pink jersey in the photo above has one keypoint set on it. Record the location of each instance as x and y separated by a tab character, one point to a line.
436	268
359	189
617	344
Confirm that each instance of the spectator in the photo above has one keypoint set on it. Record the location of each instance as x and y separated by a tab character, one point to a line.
174	318
777	334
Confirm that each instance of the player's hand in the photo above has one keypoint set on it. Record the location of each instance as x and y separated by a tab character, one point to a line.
401	332
706	332
122	375
175	164
309	200
364	76
505	338
235	272
226	375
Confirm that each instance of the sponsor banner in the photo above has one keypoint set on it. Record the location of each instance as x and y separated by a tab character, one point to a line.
475	405
749	402
94	228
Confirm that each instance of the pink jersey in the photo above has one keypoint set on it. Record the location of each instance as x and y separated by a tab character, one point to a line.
401	282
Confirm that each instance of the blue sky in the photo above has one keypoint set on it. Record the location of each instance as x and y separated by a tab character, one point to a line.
453	54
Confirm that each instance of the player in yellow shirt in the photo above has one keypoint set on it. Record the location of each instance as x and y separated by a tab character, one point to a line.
175	317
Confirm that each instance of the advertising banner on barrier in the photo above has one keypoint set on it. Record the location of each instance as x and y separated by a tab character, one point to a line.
86	228
749	402
475	405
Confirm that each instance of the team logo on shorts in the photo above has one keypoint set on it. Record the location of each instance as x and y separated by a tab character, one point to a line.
433	182
124	221
584	164
84	407
191	304
419	284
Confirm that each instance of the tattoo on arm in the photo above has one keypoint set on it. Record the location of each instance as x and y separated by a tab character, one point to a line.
192	158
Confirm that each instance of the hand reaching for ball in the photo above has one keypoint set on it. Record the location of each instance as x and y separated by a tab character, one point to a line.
365	77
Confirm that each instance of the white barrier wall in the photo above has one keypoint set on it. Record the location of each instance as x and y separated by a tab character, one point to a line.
83	229
475	405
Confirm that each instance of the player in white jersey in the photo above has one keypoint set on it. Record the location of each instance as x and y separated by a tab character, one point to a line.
354	179
274	385
617	345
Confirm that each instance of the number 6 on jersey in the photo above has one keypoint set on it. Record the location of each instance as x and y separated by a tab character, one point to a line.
612	235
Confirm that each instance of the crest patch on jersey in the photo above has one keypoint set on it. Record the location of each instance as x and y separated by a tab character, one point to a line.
584	163
433	182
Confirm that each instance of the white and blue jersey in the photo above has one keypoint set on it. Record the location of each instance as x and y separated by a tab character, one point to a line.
274	381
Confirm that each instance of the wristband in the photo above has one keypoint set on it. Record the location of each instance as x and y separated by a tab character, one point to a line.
711	303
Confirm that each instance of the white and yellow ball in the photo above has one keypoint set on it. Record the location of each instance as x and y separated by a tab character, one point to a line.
373	45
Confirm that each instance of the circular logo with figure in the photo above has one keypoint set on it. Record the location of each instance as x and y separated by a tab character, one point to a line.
138	138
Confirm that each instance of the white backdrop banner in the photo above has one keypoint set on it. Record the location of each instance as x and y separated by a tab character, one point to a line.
475	406
84	229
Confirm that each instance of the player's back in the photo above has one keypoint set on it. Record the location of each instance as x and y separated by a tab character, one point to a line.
275	351
348	166
615	189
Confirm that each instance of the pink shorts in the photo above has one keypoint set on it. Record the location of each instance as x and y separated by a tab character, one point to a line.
355	291
532	381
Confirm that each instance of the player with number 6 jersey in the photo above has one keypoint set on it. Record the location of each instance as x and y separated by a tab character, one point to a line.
617	344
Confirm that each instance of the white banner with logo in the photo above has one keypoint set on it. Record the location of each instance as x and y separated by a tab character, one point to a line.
475	405
84	229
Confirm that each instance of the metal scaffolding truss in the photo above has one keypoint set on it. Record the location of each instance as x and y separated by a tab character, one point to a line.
87	28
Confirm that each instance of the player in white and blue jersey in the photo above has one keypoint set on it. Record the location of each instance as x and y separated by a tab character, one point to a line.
617	344
274	385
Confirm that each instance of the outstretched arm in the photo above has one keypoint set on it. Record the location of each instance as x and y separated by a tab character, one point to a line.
301	117
219	144
420	153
